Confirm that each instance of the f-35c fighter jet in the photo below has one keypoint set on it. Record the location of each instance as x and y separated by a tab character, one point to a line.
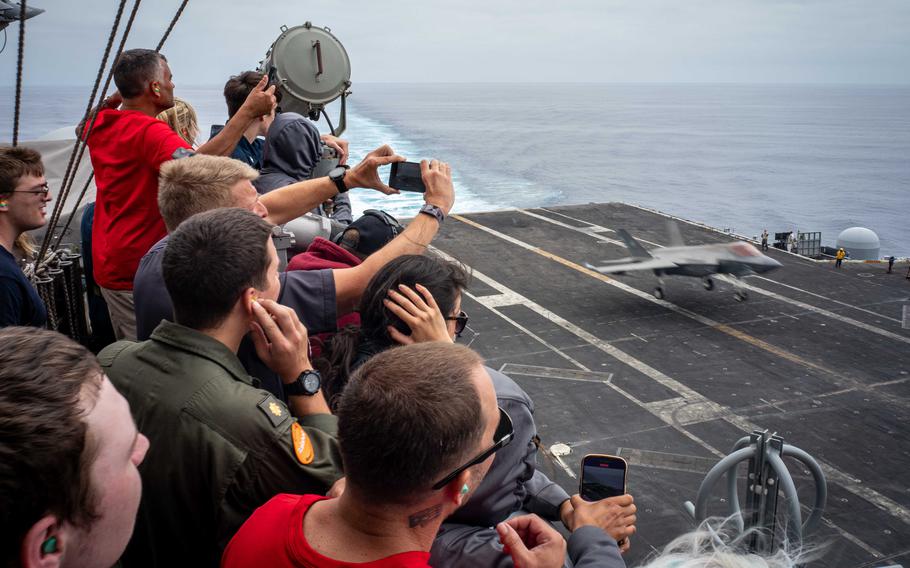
736	259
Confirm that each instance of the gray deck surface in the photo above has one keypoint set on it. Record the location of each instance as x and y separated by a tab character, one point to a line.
816	354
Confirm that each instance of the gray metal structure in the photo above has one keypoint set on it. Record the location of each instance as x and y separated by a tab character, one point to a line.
737	259
310	68
767	475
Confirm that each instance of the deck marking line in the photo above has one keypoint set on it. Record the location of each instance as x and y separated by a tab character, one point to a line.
587	231
554	373
805	306
884	503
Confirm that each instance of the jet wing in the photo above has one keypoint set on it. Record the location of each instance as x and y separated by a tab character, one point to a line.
650	264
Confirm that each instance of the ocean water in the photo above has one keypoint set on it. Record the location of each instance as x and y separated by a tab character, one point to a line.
741	157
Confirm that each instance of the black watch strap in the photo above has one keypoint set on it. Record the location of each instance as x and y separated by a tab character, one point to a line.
337	175
307	384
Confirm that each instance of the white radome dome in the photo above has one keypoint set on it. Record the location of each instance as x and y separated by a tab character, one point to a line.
861	243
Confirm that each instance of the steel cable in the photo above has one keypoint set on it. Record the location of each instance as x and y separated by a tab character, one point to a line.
18	104
170	28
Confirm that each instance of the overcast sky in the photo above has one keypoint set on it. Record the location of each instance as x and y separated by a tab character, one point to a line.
816	41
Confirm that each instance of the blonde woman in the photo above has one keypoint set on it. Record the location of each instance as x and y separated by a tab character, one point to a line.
182	119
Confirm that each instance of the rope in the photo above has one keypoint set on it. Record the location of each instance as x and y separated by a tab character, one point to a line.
173	23
80	142
19	73
91	123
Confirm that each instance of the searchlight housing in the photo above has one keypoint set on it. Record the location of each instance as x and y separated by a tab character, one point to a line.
309	68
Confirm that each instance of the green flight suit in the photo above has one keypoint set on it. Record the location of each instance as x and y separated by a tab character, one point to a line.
220	447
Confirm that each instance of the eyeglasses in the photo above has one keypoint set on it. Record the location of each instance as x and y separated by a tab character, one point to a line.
42	189
502	437
461	322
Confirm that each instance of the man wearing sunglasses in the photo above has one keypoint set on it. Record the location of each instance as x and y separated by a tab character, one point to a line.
419	426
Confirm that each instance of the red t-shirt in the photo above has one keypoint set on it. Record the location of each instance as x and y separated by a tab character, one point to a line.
273	536
127	147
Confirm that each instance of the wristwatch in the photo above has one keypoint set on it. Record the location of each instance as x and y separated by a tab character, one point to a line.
434	212
337	176
307	384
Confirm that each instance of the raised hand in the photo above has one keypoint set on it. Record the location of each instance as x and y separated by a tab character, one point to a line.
437	177
280	339
340	146
261	100
422	315
366	174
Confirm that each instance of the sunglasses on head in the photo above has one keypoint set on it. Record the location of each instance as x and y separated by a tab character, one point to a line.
461	322
502	437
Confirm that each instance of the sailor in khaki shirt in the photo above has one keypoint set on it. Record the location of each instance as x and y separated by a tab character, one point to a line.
220	447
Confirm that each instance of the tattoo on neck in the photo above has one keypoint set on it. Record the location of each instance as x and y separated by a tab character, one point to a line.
421	518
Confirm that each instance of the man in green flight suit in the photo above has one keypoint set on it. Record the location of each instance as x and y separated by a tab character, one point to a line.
220	446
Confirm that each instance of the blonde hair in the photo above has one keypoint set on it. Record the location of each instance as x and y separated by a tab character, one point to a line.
199	183
182	119
26	245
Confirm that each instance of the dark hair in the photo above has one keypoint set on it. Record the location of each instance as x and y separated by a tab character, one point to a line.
444	279
409	415
46	382
15	162
134	69
238	88
210	260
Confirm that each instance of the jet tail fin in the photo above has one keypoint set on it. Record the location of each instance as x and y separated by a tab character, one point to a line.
676	239
634	246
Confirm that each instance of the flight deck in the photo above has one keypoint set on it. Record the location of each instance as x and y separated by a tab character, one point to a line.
817	355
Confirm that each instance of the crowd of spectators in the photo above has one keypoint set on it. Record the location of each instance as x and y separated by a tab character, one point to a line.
232	422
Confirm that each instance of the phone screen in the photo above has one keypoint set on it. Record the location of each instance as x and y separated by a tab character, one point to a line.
602	477
405	176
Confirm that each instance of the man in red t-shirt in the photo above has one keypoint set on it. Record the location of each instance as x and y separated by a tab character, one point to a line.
419	427
127	146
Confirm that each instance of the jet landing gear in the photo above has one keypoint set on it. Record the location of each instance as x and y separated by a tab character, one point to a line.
740	295
708	283
659	291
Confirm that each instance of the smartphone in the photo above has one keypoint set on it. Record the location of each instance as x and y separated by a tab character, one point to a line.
602	476
405	176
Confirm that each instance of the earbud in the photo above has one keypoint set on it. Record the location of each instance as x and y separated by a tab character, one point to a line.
49	546
465	489
2	203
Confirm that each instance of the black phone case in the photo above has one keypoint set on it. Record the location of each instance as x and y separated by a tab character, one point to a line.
406	182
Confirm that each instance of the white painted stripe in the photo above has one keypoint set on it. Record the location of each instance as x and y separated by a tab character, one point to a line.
590	231
825	298
853	485
762	291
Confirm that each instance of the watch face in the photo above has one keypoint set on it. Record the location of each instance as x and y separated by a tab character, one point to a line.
337	172
311	382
